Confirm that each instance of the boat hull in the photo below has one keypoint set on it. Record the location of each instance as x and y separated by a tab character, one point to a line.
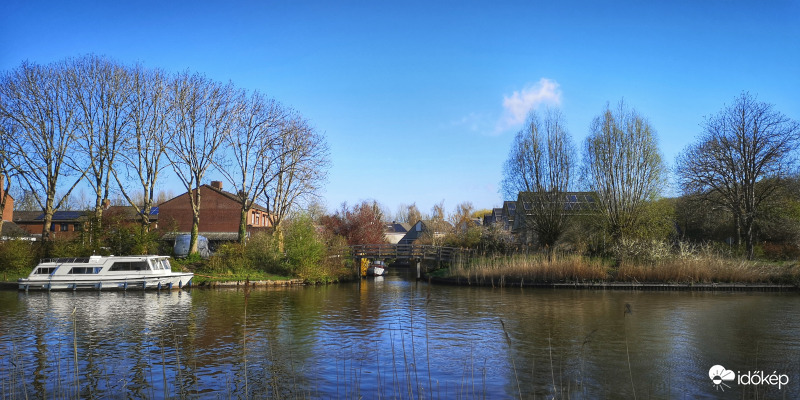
172	281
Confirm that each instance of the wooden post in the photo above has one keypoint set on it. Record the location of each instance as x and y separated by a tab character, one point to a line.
419	269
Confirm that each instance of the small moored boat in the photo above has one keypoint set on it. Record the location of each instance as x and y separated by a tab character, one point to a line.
377	268
104	273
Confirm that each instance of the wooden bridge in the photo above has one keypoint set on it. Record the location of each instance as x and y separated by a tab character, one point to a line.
410	252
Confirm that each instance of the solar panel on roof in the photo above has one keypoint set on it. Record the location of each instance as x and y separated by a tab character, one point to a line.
67	215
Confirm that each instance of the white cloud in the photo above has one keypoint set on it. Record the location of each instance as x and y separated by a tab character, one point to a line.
521	102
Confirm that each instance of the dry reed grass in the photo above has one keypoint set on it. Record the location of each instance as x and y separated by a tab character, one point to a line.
533	268
676	268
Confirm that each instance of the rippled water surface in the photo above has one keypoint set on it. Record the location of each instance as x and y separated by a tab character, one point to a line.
395	338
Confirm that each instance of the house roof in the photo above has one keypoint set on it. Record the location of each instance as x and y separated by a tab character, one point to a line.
397	227
130	212
224	193
425	225
571	201
36	216
11	229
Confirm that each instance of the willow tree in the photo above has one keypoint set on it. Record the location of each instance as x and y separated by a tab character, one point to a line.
623	166
740	160
200	121
538	173
41	122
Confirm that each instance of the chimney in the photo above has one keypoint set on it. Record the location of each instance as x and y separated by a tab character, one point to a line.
216	185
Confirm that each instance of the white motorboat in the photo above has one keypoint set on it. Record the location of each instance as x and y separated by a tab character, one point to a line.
102	273
377	268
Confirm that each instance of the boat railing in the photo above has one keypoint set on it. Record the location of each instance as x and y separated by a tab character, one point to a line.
64	260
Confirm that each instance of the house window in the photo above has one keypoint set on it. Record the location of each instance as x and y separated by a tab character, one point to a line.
64	227
258	219
52	227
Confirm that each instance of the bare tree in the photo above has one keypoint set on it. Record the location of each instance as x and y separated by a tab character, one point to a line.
462	217
538	172
42	124
142	153
201	119
6	168
298	169
254	145
739	160
622	165
100	90
408	213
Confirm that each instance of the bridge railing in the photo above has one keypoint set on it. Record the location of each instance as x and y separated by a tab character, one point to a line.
408	252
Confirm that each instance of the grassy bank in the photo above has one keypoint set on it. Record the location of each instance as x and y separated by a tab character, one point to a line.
575	268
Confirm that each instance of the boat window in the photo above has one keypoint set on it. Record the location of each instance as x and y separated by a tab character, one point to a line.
166	264
45	270
85	270
130	266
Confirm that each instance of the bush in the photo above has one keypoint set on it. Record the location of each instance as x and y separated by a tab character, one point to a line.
17	256
304	251
263	253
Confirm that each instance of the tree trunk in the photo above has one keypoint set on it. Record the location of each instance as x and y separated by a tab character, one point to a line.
243	225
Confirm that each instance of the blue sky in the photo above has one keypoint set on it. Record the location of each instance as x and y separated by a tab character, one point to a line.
419	101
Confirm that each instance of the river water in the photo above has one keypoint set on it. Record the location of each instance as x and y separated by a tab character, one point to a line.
393	337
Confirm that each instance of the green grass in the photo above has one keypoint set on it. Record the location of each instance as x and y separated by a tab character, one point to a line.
12	276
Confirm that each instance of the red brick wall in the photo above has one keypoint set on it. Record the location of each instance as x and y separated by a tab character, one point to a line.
218	213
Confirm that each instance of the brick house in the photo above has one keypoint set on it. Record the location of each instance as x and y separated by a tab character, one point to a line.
65	224
220	212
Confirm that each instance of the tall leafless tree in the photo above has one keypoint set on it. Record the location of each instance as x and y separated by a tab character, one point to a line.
6	167
300	166
201	120
623	166
43	123
739	160
100	88
538	172
142	154
254	145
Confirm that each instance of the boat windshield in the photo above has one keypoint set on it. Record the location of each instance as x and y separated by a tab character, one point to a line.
160	263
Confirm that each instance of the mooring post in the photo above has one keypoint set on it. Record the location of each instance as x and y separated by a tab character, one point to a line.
419	269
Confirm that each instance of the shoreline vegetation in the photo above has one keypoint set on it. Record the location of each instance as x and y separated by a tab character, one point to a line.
571	271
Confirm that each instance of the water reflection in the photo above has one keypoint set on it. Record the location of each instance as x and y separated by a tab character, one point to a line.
393	337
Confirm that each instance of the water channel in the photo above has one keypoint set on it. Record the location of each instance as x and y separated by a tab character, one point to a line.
393	337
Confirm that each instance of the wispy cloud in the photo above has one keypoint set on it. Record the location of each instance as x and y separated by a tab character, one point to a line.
521	102
473	122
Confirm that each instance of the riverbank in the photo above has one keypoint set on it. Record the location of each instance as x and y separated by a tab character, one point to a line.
245	283
669	273
510	282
